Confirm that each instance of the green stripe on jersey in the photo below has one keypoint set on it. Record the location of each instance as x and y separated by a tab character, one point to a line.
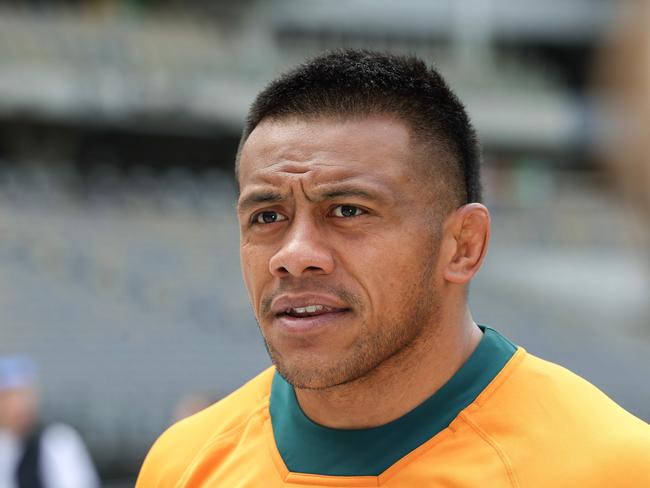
307	447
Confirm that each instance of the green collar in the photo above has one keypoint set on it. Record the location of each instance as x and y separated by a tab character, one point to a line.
307	447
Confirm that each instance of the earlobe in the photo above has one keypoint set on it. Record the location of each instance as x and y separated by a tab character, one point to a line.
469	234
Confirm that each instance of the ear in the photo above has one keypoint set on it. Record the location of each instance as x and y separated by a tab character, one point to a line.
466	237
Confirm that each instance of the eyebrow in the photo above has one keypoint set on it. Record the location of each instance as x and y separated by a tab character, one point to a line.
343	190
347	192
269	196
258	197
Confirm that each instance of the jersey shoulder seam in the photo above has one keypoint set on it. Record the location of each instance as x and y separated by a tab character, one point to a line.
263	399
187	473
512	477
244	421
508	370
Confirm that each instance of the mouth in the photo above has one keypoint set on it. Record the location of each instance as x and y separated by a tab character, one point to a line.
309	311
308	314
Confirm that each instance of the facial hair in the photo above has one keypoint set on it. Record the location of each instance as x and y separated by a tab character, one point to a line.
373	346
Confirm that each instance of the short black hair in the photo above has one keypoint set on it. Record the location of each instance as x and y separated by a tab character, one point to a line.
352	83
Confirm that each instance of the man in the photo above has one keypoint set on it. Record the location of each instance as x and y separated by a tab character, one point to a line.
32	455
360	232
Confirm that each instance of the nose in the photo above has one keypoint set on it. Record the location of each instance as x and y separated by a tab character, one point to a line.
303	251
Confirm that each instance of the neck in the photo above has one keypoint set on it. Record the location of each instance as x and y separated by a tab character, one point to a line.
399	384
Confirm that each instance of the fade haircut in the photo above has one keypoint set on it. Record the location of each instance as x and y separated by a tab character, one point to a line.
361	83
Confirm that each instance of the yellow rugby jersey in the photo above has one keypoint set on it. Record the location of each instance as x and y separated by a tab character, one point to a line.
505	419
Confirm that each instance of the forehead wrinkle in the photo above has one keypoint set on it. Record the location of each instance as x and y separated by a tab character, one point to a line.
301	181
314	165
268	192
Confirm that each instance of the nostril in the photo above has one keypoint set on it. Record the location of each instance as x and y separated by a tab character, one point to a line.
297	261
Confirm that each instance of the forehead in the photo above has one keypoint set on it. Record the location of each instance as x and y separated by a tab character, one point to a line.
338	148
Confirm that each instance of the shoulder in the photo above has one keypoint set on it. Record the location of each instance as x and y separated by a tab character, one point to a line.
177	446
583	405
566	394
540	410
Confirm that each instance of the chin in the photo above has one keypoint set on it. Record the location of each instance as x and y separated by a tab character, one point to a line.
307	374
322	368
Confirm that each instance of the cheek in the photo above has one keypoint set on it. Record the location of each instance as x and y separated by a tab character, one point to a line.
393	272
395	257
382	273
255	269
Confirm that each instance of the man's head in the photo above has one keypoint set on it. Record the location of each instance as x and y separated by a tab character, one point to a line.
357	240
357	84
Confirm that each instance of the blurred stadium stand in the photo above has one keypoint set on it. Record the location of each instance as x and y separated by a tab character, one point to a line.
166	72
119	121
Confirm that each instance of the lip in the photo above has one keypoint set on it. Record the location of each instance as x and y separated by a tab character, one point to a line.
285	302
313	323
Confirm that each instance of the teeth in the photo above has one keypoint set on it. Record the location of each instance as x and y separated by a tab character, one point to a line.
307	309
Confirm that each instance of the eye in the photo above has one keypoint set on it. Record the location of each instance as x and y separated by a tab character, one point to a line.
347	211
267	217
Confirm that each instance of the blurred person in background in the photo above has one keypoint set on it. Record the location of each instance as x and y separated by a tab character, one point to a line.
361	228
33	455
